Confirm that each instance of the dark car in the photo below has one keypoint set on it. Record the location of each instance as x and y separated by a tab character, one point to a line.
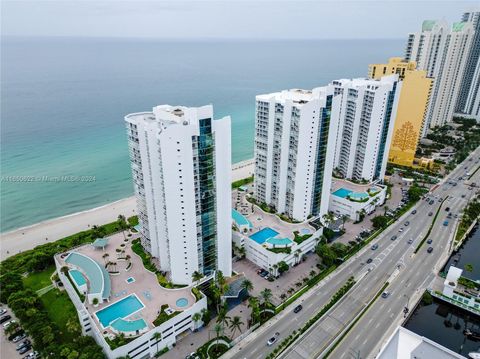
385	294
414	211
5	319
393	238
369	260
429	241
447	209
25	349
407	223
374	247
430	214
23	344
19	337
430	249
431	202
297	308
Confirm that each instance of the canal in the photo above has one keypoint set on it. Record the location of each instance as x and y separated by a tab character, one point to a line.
468	253
443	322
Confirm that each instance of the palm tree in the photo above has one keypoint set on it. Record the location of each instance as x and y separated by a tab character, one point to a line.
385	210
275	269
196	318
283	296
218	329
344	219
242	252
236	324
253	305
222	317
128	257
196	276
122	223
297	255
468	267
105	256
266	295
312	273
247	285
157	336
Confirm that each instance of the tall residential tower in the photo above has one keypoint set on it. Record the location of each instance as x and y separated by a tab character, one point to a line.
412	107
181	168
470	86
294	144
365	112
442	52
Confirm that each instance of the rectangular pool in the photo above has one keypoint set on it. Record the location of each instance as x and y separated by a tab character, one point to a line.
121	309
261	236
77	277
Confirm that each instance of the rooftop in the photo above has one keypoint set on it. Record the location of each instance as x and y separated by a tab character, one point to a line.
404	344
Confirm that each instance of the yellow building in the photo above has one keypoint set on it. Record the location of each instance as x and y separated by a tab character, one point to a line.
412	107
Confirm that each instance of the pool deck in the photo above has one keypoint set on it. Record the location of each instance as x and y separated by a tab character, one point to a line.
261	219
145	281
354	187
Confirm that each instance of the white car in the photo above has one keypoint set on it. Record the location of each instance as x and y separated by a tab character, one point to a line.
32	355
7	324
273	339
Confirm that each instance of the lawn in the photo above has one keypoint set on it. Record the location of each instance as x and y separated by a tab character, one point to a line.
60	309
39	280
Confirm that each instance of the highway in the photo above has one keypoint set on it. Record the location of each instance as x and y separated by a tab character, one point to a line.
392	261
385	314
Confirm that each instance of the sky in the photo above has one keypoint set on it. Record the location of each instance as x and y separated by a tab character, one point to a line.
238	19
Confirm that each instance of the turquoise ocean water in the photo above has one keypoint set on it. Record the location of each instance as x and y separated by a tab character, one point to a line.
63	102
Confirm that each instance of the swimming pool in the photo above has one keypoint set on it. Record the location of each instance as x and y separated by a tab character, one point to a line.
77	277
130	280
261	236
240	219
182	302
123	325
359	195
342	192
121	309
279	241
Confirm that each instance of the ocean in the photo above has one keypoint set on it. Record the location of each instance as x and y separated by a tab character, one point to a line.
63	100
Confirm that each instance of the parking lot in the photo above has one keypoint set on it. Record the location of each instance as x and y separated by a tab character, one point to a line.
293	278
8	348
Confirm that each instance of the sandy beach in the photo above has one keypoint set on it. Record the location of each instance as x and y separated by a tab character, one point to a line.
25	238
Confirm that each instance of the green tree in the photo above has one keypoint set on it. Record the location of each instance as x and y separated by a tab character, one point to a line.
379	222
157	336
235	324
197	276
468	267
283	267
326	254
247	285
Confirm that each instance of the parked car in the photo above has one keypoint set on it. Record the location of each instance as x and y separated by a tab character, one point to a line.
393	238
7	324
385	294
447	209
414	211
407	223
430	214
431	202
430	249
25	349
410	241
35	355
429	241
297	308
445	223
19	337
273	339
3	311
369	260
25	343
5	319
374	247
400	230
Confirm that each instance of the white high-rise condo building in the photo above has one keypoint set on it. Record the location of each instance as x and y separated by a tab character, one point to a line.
470	86
181	167
443	53
365	111
294	145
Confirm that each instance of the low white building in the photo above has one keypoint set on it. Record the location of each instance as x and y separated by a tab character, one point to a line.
264	255
454	290
352	199
405	344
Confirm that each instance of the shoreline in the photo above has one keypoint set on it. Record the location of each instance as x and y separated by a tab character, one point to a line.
50	230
